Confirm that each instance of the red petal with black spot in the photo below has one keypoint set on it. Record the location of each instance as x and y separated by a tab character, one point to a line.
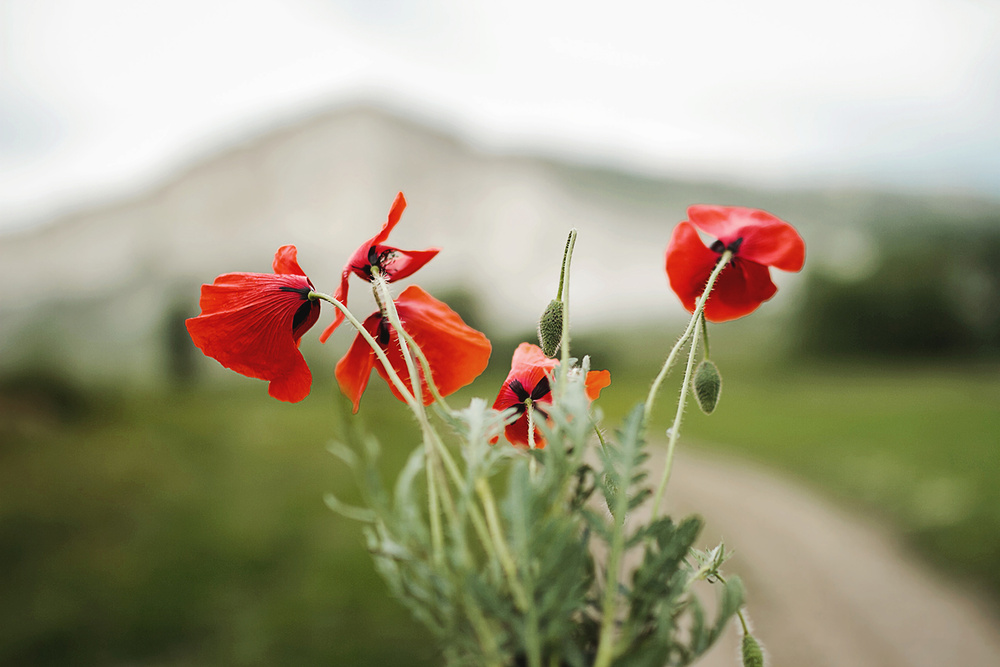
395	264
456	353
758	239
252	323
529	377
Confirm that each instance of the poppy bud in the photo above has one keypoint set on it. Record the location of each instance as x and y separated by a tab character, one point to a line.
550	328
753	655
707	385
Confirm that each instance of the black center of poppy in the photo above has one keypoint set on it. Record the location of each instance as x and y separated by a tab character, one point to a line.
379	259
384	332
301	291
301	315
539	391
519	390
721	247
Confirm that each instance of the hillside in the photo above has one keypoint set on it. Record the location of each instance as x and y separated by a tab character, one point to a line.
97	293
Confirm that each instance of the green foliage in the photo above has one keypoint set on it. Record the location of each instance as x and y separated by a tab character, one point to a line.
526	579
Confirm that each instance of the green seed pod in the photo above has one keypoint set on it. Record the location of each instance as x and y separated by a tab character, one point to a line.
550	328
753	655
707	385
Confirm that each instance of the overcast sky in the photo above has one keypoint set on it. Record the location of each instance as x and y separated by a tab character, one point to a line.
100	97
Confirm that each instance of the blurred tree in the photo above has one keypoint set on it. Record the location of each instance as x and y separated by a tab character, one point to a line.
181	360
935	292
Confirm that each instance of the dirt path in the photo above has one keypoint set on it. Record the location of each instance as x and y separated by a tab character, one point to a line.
826	588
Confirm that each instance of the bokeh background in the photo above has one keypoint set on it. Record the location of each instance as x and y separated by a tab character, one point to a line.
156	509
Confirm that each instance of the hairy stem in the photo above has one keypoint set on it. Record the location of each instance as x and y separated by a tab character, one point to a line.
695	317
397	382
564	297
676	427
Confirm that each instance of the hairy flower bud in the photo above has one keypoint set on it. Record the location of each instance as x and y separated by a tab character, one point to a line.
550	328
707	385
753	655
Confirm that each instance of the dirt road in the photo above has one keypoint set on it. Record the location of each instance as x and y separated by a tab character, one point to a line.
826	588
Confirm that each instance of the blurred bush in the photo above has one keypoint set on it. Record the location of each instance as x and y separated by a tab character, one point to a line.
934	292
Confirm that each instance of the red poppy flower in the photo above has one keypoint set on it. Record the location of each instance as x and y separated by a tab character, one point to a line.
394	263
456	353
529	375
252	323
757	239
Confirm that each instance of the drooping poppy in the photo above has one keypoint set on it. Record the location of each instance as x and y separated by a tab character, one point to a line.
252	323
757	239
455	352
395	264
529	378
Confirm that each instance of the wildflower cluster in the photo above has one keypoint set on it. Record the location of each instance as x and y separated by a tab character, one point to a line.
572	565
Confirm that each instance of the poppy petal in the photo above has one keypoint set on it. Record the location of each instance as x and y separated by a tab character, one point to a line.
767	239
395	212
286	261
248	324
740	289
354	368
595	382
528	375
405	263
457	353
530	368
517	433
529	354
689	264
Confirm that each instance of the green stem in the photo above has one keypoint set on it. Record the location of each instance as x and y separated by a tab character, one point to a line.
704	334
695	317
425	367
568	250
475	516
437	537
381	286
609	609
393	376
600	436
676	427
503	551
530	412
564	297
739	612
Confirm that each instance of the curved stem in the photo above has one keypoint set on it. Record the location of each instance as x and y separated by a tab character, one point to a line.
389	308
695	317
529	410
704	334
425	367
676	427
564	297
503	551
379	352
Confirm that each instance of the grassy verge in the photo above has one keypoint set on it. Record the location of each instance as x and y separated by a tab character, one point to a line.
188	528
918	445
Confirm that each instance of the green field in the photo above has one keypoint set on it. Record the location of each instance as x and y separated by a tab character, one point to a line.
188	528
